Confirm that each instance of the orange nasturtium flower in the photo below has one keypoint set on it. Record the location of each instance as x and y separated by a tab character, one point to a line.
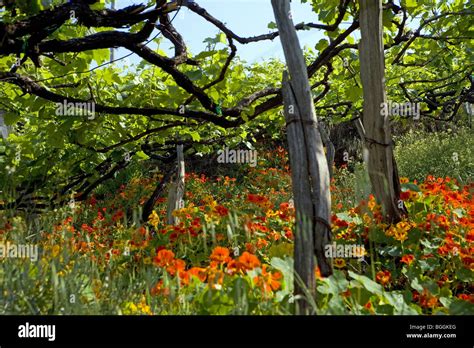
261	243
428	300
220	254
198	272
268	281
383	277
408	259
215	278
248	261
176	266
164	258
372	202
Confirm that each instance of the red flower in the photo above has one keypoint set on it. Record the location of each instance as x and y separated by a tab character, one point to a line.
87	228
221	210
93	201
466	297
407	259
118	215
415	295
346	293
443	279
257	199
159	289
368	306
338	222
404	195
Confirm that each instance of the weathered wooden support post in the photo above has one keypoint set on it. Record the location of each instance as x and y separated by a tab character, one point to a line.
176	188
112	50
377	140
310	176
330	150
4	129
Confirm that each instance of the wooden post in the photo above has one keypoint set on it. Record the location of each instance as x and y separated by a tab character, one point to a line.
310	177
4	129
112	50
150	203
330	150
377	141
176	188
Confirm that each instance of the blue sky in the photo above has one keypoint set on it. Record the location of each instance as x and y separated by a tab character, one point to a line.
243	17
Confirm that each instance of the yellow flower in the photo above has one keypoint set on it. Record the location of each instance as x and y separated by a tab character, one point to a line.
154	219
360	252
371	205
339	263
209	201
390	231
139	308
367	219
135	181
270	213
133	307
400	235
147	260
143	307
96	287
404	180
404	226
55	250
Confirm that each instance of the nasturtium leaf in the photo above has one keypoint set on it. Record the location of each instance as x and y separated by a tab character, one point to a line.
367	283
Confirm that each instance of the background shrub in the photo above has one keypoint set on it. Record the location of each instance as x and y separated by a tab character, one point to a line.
419	154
